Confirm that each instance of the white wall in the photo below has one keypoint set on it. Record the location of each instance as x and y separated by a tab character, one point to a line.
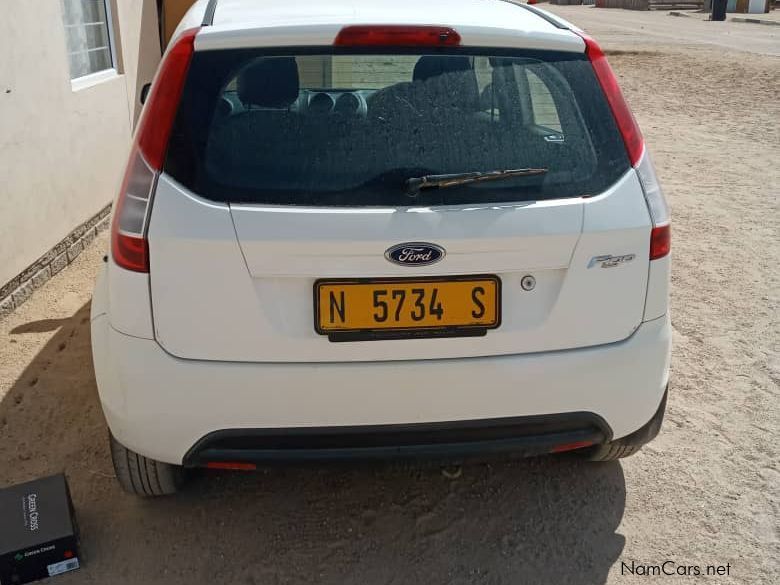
62	150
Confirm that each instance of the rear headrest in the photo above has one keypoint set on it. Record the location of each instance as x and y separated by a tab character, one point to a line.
432	65
451	79
269	82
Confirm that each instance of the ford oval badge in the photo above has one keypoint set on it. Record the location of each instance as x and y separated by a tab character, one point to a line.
414	254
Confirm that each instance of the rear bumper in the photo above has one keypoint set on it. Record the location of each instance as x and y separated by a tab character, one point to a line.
164	407
526	436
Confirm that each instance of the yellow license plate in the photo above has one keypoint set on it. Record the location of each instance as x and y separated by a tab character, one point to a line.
408	304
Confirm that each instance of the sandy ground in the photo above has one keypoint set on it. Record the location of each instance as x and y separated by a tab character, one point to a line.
626	28
707	491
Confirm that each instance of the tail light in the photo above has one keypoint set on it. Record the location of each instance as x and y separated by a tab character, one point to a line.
660	241
397	36
629	129
129	247
661	234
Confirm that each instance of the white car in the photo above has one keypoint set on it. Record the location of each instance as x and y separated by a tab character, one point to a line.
381	228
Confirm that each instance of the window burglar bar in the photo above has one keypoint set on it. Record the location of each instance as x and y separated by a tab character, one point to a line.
88	36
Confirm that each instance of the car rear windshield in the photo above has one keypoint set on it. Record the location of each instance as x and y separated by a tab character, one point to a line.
324	127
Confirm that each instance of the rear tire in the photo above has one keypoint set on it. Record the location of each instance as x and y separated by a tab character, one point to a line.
630	444
612	451
141	476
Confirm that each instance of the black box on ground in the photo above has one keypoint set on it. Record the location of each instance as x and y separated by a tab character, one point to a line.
38	535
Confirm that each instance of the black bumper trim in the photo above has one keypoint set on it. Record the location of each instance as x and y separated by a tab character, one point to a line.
528	436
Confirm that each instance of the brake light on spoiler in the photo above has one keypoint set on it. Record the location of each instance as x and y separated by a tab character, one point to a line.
397	36
129	247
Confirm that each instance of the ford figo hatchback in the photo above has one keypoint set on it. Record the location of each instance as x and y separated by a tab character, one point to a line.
380	228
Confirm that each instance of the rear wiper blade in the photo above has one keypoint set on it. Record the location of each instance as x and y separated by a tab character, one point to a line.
415	184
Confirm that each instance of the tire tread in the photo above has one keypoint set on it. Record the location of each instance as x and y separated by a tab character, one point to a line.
141	475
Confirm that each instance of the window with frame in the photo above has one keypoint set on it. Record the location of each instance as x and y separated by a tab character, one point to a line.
88	36
350	127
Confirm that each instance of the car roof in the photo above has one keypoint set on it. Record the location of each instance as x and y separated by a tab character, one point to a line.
488	23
